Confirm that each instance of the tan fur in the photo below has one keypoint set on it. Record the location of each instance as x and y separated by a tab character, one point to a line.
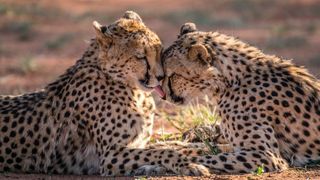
97	117
270	108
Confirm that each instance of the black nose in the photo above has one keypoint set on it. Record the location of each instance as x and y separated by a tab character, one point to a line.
159	78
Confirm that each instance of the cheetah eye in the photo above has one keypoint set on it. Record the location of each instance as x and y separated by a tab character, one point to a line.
141	56
160	78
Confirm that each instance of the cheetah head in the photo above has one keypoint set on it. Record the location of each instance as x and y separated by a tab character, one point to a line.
130	52
188	67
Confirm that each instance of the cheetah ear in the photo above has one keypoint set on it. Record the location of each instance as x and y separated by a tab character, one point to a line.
103	35
187	28
198	51
101	30
132	15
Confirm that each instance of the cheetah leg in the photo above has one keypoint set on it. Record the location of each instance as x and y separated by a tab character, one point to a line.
243	161
196	148
258	148
188	149
123	161
211	133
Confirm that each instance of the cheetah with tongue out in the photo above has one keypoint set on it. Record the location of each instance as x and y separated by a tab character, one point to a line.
98	116
270	108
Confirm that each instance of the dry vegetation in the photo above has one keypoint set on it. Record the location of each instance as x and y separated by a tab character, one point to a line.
40	39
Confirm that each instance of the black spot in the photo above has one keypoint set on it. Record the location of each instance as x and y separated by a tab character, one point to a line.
302	141
305	124
274	93
262	94
223	158
307	116
241	159
252	99
228	166
256	155
289	94
4	129
67	114
240	127
300	91
247	165
135	166
114	160
297	109
274	80
285	103
261	102
256	136
306	133
263	161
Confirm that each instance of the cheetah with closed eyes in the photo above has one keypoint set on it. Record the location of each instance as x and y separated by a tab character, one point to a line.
98	116
270	108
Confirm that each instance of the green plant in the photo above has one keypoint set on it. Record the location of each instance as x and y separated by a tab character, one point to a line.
259	171
213	149
152	140
140	178
165	137
193	115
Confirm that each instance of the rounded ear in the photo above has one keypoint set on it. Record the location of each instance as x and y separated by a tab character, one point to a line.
100	30
132	15
102	33
198	51
187	28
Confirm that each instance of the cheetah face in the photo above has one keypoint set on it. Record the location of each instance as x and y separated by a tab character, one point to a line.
188	68
130	52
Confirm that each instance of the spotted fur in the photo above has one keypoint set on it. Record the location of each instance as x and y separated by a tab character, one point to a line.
270	108
97	117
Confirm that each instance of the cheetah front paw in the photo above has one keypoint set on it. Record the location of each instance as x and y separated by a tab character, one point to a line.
150	170
194	170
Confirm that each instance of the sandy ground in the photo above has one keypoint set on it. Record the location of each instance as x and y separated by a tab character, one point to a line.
293	174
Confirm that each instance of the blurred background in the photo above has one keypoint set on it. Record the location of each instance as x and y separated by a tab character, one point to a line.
39	39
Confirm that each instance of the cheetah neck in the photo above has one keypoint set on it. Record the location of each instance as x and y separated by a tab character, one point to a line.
233	58
238	61
88	59
87	64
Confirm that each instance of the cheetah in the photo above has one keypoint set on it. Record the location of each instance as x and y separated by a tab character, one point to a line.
97	117
269	107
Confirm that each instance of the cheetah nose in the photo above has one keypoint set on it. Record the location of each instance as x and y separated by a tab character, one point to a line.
160	92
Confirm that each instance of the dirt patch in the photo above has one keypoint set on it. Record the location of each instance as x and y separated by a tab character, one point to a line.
294	174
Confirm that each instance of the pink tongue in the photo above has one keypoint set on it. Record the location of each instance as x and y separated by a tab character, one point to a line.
160	92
